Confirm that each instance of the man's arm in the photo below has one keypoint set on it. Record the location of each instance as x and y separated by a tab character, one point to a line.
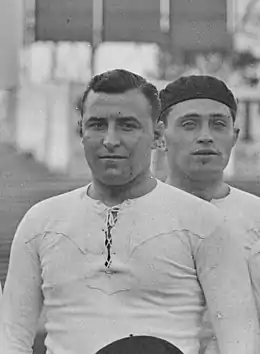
225	280
22	298
254	267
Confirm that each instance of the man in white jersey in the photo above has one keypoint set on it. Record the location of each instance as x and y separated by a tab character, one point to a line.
126	254
199	113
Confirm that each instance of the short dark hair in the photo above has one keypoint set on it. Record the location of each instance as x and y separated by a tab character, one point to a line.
120	81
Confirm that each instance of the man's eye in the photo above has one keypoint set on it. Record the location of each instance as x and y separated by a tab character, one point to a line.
219	123
129	126
189	124
97	125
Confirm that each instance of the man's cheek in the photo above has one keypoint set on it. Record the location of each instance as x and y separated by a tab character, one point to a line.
90	140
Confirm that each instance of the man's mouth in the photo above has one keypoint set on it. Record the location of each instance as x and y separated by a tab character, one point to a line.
112	157
205	152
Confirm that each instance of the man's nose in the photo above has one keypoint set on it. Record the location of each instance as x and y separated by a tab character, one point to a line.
205	139
111	139
205	136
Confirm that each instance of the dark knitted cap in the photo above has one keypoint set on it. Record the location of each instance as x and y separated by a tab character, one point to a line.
140	345
197	86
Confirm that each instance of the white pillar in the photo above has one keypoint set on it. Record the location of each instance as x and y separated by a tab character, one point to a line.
98	12
165	10
11	36
11	40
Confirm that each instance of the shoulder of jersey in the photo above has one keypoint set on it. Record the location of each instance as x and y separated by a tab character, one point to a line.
250	203
196	215
175	195
63	201
245	196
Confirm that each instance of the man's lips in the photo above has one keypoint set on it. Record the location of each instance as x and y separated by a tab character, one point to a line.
112	157
205	152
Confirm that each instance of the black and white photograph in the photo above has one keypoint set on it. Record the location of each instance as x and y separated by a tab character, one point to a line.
129	176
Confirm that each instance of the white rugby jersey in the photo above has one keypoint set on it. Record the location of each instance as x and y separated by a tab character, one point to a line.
242	210
103	273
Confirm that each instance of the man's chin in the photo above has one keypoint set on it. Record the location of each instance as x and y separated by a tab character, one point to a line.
205	172
115	179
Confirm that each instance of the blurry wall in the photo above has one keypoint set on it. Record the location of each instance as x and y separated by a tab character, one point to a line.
199	26
46	121
52	76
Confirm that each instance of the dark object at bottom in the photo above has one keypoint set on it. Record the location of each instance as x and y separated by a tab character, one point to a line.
140	345
39	347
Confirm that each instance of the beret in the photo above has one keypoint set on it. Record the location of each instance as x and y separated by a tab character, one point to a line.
194	87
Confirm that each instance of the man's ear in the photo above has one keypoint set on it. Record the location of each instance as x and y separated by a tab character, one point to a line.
79	128
158	134
236	135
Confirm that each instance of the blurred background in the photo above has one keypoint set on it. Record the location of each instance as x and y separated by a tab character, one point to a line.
49	49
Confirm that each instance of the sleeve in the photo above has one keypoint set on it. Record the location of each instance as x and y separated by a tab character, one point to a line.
254	267
224	277
22	299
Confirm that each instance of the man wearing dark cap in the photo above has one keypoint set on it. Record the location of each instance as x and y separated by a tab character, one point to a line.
199	113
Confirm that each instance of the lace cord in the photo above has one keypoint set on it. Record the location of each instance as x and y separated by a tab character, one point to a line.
111	220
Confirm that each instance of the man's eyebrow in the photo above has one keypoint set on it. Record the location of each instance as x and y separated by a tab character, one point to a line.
132	118
218	115
94	118
128	118
189	115
196	115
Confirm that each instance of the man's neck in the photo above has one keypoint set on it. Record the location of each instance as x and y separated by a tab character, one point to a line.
114	195
204	189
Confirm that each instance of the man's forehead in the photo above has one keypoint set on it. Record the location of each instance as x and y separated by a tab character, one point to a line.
201	106
97	98
131	104
125	98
